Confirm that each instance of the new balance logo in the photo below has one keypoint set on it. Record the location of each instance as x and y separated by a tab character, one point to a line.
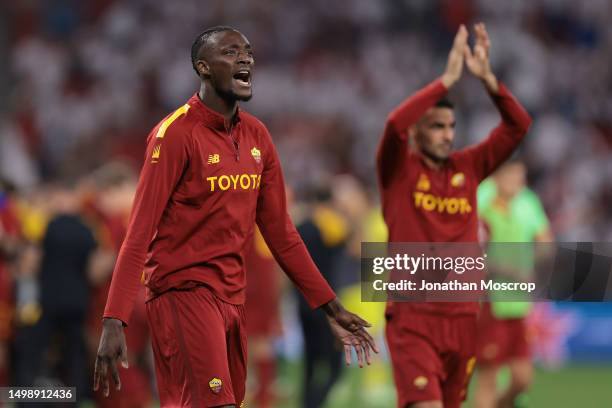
213	158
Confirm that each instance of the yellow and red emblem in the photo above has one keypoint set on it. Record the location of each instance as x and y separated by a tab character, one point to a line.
256	154
458	180
420	382
423	183
215	385
214	158
156	153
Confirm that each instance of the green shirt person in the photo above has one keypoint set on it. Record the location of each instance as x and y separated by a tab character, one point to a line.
516	220
514	215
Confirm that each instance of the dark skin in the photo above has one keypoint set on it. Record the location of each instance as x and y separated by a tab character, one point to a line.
225	68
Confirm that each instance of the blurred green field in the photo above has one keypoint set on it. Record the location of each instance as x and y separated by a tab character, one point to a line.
578	385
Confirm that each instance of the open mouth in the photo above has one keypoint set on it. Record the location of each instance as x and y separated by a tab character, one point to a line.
243	77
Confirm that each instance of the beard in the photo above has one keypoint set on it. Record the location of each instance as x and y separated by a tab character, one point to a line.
230	96
434	156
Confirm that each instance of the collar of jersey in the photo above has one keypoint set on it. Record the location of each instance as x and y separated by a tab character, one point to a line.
211	118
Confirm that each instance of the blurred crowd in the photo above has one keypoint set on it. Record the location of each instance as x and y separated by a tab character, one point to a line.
58	245
85	81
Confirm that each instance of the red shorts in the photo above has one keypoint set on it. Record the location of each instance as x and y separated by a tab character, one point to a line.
433	356
501	340
200	349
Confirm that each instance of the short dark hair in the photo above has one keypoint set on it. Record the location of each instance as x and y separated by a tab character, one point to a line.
202	39
444	103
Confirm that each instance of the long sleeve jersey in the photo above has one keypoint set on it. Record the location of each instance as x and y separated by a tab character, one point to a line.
421	204
202	188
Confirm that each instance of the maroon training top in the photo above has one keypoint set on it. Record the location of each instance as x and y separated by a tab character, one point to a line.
201	189
421	204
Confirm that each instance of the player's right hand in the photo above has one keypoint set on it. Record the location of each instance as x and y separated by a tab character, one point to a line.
111	350
454	64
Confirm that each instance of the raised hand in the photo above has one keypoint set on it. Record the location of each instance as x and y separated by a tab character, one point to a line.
477	60
350	330
454	64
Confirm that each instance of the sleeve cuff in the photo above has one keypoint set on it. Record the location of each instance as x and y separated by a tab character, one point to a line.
117	313
438	85
323	299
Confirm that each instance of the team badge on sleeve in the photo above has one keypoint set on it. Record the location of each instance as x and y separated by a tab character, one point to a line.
256	154
215	385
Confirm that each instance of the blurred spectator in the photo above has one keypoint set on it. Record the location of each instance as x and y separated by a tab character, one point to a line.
367	225
9	245
511	213
325	232
67	247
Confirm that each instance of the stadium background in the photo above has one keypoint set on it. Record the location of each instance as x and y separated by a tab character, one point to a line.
84	81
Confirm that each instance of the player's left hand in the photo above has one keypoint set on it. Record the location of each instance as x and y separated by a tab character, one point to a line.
478	61
350	330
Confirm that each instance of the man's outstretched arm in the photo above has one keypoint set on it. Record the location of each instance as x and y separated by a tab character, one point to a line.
291	254
165	160
393	145
506	137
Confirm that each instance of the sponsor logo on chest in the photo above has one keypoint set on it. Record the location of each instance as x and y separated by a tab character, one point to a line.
237	180
234	182
430	202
